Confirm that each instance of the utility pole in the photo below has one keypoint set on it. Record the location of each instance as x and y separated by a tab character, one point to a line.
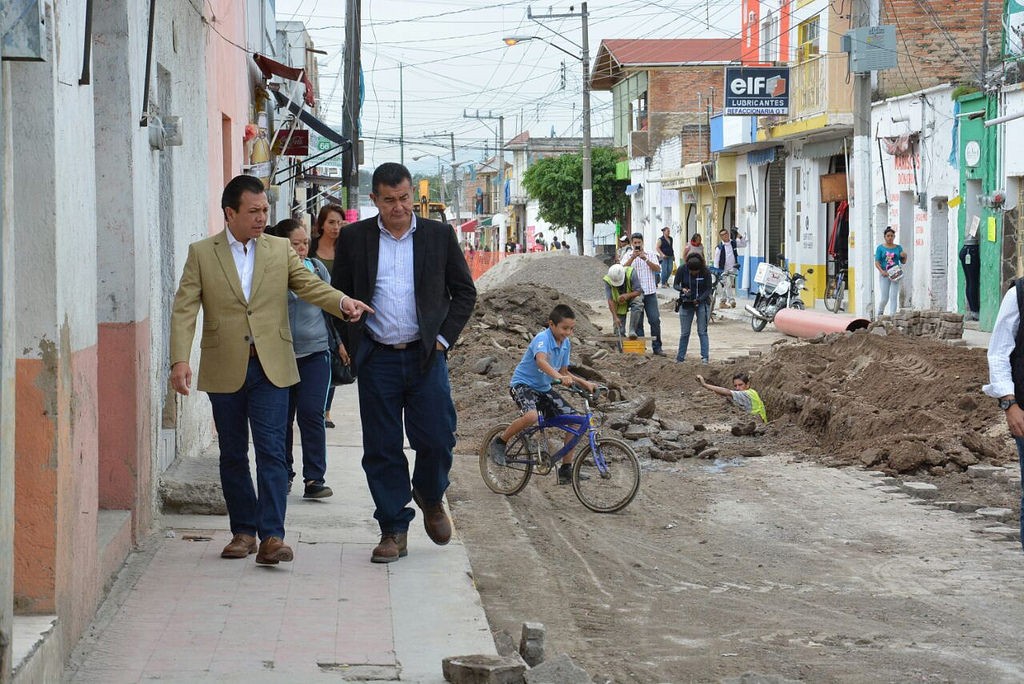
502	238
588	186
860	207
401	116
350	117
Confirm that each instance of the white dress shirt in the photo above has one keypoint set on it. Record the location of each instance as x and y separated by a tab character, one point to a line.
1002	342
244	254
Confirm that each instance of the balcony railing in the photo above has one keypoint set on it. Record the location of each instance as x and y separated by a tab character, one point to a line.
818	85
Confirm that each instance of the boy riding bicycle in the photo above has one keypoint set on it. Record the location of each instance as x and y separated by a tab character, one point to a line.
545	360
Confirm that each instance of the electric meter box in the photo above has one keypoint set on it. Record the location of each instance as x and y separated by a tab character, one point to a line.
871	48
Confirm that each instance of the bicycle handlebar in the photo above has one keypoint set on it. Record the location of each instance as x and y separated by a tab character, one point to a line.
576	389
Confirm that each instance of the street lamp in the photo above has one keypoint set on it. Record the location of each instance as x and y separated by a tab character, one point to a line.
588	190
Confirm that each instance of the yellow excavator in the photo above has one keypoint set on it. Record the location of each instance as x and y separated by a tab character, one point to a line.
428	209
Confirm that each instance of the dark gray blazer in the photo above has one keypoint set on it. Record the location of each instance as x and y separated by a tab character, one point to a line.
445	294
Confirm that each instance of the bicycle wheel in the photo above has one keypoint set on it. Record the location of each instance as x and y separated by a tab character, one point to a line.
835	294
609	488
510	478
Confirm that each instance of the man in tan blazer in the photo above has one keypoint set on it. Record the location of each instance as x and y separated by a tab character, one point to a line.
240	278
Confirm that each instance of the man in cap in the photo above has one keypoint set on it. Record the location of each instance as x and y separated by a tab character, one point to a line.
623	294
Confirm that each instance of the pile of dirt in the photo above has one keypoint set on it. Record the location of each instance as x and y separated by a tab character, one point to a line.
576	276
890	402
900	404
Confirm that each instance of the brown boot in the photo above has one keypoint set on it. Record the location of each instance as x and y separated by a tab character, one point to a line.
272	551
435	520
392	546
240	546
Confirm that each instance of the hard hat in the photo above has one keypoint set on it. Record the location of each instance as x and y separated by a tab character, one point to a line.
617	274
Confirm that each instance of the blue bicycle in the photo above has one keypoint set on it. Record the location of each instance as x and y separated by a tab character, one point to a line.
605	471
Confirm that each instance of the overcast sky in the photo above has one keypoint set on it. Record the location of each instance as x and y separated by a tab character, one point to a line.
454	61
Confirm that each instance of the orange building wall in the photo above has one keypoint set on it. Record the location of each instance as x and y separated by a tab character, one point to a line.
56	442
125	466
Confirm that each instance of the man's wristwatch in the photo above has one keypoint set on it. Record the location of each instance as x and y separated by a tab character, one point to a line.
1005	404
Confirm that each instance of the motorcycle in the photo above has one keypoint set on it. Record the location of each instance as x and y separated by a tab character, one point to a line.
776	290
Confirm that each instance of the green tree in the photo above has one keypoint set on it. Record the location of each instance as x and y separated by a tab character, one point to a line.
557	185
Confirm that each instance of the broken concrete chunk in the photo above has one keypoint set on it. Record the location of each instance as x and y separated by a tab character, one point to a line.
483	669
559	670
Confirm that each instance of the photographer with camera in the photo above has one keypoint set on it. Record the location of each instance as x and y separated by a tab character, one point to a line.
694	284
646	268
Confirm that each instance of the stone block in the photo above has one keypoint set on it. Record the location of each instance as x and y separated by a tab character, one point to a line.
921	490
483	669
531	644
1000	514
559	670
981	470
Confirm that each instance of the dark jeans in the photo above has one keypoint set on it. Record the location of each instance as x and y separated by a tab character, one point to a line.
306	399
686	316
1020	457
263	406
392	387
666	270
970	260
650	303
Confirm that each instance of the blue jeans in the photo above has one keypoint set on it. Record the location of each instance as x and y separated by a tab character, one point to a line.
650	303
307	399
1020	457
666	270
888	293
263	406
392	386
686	316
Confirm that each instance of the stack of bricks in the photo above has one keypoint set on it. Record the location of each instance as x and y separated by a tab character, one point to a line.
942	325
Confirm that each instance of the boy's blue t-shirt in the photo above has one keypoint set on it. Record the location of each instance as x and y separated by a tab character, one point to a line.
527	373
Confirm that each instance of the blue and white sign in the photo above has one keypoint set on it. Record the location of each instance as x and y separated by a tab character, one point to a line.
756	91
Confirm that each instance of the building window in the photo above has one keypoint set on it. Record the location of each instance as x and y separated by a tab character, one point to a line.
639	109
770	38
809	39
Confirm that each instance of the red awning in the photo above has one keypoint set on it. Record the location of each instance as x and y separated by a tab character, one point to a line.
468	226
271	68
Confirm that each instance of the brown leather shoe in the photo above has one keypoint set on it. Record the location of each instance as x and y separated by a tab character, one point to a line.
273	550
393	545
435	520
240	546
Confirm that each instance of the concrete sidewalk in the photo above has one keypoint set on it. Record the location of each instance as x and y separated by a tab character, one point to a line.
178	612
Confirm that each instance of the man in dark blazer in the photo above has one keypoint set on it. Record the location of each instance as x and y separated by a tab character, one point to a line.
412	273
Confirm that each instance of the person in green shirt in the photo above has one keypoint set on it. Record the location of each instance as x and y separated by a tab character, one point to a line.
742	395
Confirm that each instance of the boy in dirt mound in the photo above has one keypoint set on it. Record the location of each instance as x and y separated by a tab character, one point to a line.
545	360
742	395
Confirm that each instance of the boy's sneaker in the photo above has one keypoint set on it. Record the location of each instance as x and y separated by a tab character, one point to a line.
496	450
317	490
565	473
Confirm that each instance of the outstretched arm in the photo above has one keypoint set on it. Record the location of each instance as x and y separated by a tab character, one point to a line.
714	388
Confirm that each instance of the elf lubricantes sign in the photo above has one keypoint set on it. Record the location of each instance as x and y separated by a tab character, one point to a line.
756	91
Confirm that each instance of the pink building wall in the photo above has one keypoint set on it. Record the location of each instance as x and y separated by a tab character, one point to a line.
228	103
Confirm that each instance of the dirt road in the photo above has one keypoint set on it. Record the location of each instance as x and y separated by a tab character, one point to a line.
769	566
776	564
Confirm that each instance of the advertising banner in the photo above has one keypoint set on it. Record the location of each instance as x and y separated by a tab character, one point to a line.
756	91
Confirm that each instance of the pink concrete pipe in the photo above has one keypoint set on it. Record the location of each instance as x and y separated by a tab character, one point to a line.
806	324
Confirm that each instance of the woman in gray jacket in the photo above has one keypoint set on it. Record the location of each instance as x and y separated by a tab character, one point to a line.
313	339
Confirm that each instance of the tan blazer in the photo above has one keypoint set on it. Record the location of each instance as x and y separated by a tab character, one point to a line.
230	324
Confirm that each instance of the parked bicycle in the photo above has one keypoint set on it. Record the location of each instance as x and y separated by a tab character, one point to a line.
605	470
835	290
